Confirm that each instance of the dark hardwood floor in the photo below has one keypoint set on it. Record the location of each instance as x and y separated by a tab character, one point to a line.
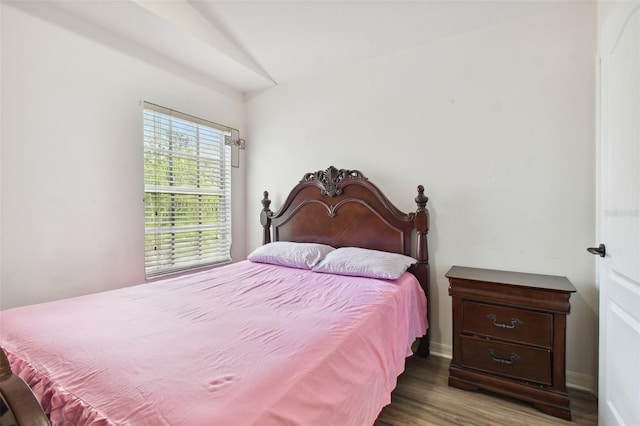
423	397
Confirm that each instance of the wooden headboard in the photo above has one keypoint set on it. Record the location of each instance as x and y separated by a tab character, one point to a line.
342	208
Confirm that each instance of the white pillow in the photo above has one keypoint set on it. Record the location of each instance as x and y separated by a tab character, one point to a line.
365	263
287	253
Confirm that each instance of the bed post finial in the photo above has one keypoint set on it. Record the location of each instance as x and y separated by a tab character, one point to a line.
421	199
265	218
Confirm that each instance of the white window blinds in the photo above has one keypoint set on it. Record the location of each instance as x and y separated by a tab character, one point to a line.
187	184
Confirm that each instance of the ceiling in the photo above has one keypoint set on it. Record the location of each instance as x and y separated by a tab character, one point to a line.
252	45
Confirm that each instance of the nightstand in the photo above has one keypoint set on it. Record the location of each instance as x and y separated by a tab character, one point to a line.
509	333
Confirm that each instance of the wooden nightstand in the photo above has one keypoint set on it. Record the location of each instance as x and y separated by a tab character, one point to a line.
509	335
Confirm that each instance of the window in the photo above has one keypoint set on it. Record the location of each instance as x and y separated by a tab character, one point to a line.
187	186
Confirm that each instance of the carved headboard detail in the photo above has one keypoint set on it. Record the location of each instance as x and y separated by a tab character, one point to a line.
329	179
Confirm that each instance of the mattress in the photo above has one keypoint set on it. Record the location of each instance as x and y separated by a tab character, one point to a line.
246	343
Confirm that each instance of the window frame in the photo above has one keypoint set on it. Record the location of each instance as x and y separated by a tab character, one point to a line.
188	202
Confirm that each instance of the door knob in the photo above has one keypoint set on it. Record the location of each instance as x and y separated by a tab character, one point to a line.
600	250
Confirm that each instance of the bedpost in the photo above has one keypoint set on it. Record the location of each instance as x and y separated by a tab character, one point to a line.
22	405
421	254
265	218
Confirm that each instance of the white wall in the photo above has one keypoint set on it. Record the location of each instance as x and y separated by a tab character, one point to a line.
498	125
72	189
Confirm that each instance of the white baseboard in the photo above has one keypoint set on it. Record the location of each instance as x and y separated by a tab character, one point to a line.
440	350
583	382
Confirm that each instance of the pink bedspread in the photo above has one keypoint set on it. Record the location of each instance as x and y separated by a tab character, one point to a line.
243	344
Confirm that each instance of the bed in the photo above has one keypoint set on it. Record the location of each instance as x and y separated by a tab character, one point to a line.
318	341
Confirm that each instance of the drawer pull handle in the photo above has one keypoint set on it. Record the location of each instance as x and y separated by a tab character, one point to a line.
514	322
512	357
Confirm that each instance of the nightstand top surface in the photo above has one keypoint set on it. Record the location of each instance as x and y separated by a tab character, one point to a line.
549	282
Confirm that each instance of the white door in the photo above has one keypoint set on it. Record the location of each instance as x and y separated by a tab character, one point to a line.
619	217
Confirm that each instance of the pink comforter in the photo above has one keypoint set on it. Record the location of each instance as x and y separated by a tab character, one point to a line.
243	344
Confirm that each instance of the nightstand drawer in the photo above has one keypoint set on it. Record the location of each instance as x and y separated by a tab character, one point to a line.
514	325
519	362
